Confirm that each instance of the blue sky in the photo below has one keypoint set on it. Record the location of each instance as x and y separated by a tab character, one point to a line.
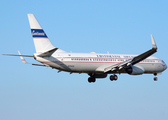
39	93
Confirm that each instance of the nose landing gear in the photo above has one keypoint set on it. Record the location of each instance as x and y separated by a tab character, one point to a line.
155	78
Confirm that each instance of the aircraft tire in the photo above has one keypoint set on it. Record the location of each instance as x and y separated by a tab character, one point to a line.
111	77
155	78
91	79
115	77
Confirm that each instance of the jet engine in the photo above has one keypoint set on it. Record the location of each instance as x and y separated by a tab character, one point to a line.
135	70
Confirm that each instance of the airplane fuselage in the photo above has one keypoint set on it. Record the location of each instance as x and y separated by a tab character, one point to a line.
96	63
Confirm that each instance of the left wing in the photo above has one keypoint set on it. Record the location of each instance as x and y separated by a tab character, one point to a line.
119	67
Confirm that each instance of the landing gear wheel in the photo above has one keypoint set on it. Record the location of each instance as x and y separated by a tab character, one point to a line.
113	77
155	78
91	79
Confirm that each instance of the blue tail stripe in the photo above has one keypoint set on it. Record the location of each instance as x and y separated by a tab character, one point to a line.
38	33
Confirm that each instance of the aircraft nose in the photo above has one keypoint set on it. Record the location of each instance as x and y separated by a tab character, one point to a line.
165	67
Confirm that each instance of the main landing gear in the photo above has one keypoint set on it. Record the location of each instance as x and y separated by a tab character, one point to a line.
113	77
155	78
91	78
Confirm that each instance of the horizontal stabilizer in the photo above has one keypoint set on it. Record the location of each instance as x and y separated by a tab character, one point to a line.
48	53
18	55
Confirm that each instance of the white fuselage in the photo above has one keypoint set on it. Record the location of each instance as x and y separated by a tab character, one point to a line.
96	63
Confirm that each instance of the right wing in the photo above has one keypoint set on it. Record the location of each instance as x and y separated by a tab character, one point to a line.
121	66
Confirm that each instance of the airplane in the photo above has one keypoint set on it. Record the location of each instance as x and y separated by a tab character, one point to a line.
96	65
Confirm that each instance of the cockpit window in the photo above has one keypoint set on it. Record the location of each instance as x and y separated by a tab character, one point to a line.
163	61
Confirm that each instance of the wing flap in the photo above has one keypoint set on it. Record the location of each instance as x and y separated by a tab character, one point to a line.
118	67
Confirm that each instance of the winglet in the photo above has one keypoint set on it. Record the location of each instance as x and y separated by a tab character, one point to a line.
153	42
23	60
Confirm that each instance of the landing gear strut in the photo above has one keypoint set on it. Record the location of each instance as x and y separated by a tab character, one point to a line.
113	77
155	78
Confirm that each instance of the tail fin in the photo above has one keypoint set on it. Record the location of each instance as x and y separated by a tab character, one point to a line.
41	41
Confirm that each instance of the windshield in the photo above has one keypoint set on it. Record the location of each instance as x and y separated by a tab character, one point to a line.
163	61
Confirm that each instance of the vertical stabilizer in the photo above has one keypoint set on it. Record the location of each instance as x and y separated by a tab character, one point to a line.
41	41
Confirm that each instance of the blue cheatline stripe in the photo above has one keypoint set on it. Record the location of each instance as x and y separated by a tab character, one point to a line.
38	33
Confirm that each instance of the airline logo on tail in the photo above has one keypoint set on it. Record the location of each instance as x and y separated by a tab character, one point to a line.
38	33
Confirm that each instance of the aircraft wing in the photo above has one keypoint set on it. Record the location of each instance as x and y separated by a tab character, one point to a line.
120	66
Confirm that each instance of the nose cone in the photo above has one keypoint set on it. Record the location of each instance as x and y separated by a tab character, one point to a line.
165	67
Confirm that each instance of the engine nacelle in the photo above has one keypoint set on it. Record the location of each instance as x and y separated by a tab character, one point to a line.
135	70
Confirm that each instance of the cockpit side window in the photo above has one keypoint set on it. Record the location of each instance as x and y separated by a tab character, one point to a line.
163	61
